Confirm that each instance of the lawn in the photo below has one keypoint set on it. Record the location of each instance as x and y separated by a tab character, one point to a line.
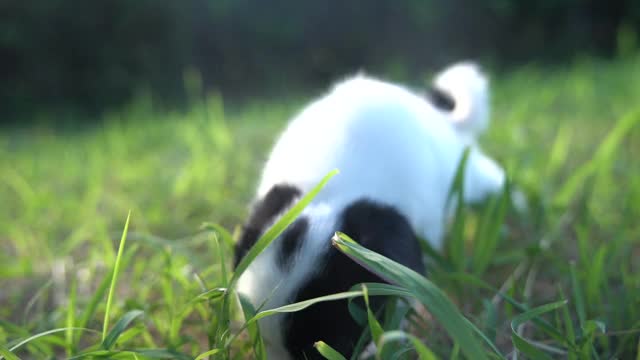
569	137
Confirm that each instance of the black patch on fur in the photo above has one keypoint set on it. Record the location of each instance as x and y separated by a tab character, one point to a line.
274	202
441	99
291	241
380	228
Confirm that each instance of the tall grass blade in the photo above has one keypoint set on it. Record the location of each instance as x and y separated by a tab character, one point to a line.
304	304
208	295
422	289
221	310
222	233
327	351
569	328
559	150
373	289
47	333
133	354
597	276
524	346
578	295
92	306
374	325
266	239
424	353
71	318
602	156
456	241
540	322
491	319
486	242
222	260
114	278
278	228
254	330
162	354
6	354
434	255
119	328
207	354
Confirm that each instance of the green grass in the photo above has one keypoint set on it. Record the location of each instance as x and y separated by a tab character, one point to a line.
561	280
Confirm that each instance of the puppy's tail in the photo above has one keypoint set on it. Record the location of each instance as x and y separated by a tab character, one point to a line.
466	90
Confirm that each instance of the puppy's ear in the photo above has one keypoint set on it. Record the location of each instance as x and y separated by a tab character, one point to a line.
441	99
464	90
264	211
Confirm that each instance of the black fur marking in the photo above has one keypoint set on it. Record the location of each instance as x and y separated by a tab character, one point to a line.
262	214
377	227
441	99
291	241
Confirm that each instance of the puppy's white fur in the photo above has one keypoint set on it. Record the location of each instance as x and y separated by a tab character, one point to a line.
391	146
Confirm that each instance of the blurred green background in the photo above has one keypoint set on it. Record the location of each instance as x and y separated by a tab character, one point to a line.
168	109
80	58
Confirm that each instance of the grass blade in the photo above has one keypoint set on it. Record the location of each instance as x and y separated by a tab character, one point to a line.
568	327
304	304
541	323
374	325
424	353
520	342
71	318
162	354
264	241
278	228
602	156
220	232
327	351
491	319
119	327
422	289
578	295
208	295
456	240
6	354
114	278
207	353
559	150
46	333
374	289
254	330
145	353
91	308
486	241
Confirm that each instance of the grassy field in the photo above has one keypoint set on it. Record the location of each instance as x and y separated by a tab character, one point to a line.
569	137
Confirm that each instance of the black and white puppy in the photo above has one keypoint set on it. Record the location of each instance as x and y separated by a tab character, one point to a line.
397	152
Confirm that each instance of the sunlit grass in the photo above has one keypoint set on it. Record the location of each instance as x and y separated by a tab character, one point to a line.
561	278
